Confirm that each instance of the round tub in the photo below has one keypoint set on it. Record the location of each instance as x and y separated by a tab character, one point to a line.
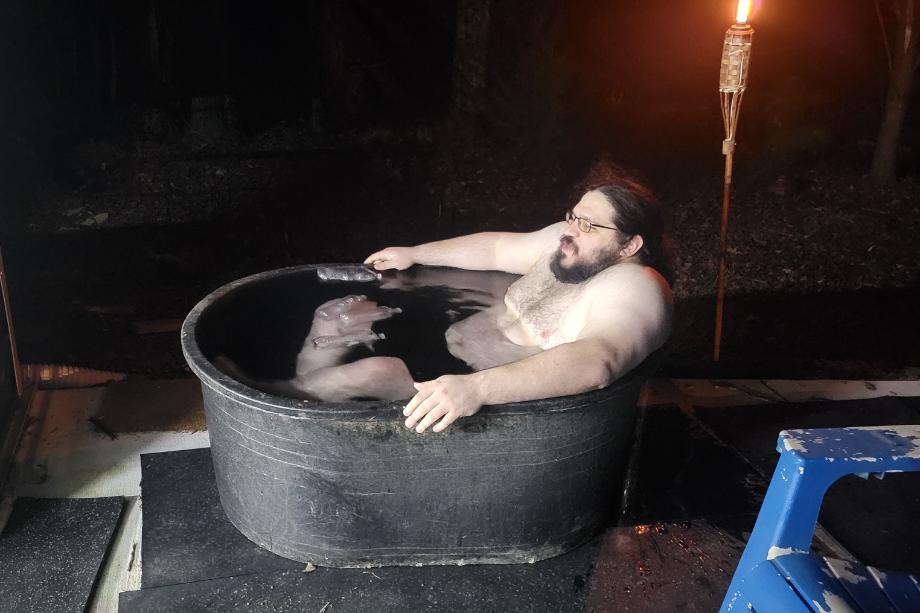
347	485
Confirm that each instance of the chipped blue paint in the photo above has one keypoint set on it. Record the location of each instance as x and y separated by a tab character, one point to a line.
810	462
853	444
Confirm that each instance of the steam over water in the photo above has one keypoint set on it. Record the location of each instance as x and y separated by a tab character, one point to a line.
262	326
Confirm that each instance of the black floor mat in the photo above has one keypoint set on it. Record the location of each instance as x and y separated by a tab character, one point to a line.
51	551
559	584
186	535
195	560
875	519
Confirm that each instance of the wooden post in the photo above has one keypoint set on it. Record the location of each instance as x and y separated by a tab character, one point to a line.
723	245
17	372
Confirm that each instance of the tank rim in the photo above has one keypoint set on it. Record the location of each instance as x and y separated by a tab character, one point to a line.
353	409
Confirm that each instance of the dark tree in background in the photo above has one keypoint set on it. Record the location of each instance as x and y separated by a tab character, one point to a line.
89	75
471	45
903	57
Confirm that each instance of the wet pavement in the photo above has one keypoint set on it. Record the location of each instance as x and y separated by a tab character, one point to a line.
874	519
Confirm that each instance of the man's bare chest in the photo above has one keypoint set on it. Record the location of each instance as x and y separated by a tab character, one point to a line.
547	311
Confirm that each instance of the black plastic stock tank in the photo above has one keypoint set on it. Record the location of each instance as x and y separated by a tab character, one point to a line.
347	485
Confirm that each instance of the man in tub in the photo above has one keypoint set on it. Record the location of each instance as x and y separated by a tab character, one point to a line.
591	305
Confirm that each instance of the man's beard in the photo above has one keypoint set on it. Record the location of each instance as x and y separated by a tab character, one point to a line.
581	272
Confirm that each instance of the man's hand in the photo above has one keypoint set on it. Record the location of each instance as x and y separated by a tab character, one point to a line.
399	258
447	398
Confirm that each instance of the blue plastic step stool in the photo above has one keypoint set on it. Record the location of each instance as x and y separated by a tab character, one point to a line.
776	573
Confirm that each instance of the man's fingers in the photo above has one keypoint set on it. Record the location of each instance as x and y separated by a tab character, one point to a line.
374	257
381	260
413	402
438	404
423	393
433	415
421	410
380	263
449	418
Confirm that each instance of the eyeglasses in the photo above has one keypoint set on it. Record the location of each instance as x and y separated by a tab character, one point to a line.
584	225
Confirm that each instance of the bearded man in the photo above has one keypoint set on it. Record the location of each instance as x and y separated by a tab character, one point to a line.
592	304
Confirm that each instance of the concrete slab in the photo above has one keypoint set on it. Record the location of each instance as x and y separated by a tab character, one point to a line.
121	571
746	392
140	404
64	455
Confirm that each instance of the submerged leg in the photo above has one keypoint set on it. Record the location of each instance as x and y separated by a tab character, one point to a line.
386	378
279	387
320	375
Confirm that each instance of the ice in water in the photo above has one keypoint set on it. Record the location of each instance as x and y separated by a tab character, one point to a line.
347	272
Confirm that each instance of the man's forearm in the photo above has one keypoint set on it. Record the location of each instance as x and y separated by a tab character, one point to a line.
570	368
472	252
567	369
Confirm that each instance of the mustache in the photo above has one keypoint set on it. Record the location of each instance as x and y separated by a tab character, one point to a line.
565	239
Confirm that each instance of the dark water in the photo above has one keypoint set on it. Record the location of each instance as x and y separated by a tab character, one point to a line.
262	326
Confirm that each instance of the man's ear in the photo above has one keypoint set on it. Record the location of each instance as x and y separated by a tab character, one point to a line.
632	246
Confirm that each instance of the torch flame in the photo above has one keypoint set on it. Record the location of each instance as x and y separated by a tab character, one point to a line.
744	7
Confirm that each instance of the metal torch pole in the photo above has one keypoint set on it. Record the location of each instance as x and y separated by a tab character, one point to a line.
736	55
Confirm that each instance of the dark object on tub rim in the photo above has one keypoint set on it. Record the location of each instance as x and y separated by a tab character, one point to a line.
345	484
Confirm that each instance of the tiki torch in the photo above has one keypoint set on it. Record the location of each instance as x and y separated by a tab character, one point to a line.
736	55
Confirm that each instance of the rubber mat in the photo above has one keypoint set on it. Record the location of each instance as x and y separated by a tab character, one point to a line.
195	560
186	535
559	584
51	551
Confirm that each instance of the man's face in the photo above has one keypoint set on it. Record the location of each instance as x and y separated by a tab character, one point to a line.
581	255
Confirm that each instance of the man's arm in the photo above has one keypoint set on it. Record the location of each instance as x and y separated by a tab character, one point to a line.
514	252
622	329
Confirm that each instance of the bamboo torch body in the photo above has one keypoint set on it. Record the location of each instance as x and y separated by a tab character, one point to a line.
736	55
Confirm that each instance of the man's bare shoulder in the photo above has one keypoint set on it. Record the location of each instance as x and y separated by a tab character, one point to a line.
632	305
629	281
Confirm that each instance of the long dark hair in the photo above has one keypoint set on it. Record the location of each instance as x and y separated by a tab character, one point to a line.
639	213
